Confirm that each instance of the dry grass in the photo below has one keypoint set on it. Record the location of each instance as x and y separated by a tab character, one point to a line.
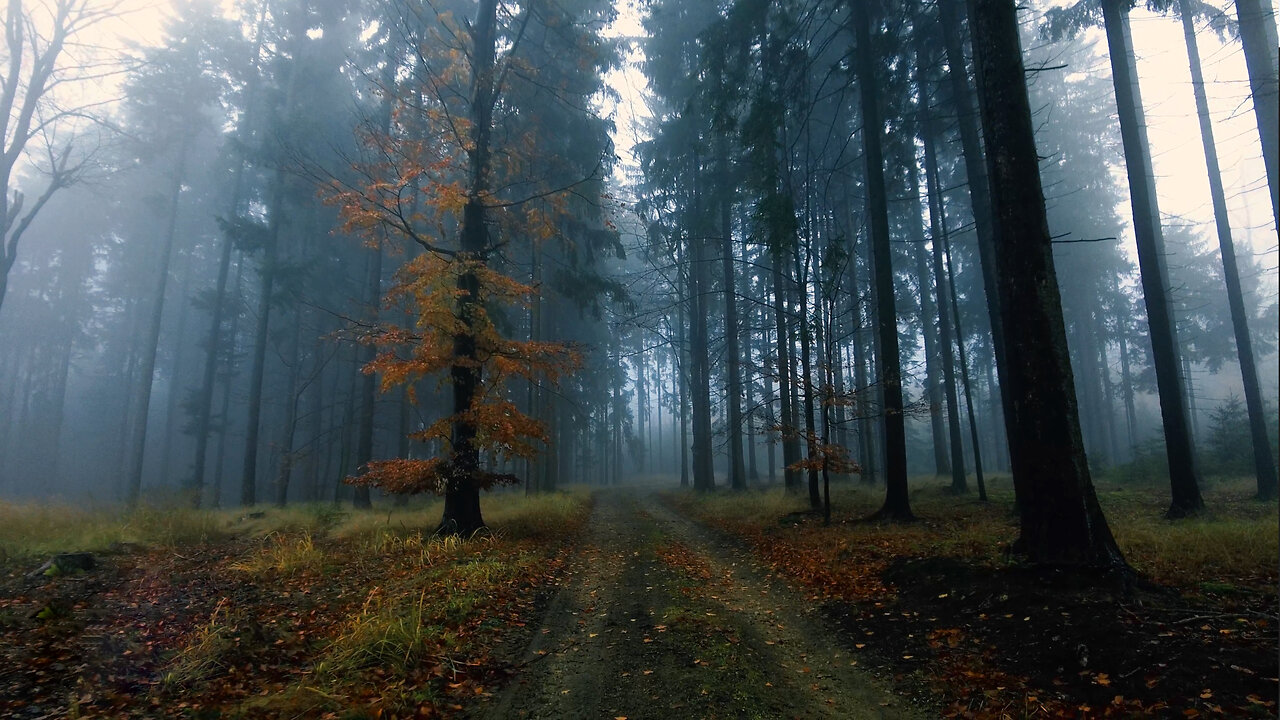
283	554
208	651
30	530
323	610
1236	541
392	630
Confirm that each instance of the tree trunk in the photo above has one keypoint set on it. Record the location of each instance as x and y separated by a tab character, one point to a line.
224	416
942	232
928	317
1258	37
289	427
1184	476
699	291
1126	380
1099	329
862	409
177	374
1190	388
1061	521
1263	463
946	300
659	462
462	494
266	285
146	377
213	347
373	294
748	382
616	404
801	288
368	382
681	368
951	13
733	374
787	421
770	419
645	461
896	506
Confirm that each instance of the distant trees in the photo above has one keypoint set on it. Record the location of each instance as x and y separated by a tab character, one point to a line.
171	99
811	264
1169	366
897	506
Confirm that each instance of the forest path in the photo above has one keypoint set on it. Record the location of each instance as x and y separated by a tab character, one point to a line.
658	617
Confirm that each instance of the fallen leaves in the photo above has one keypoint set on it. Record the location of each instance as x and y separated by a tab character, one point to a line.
1000	641
265	639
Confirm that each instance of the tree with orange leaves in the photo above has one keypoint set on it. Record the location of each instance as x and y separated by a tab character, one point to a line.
475	170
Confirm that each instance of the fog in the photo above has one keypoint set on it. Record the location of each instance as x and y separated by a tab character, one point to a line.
240	237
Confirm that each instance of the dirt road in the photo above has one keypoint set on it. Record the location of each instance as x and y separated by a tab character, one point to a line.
658	617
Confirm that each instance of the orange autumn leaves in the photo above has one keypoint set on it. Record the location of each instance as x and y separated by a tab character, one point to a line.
429	291
427	288
475	192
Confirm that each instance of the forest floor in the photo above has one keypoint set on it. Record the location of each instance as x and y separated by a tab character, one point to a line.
634	603
938	606
658	617
307	612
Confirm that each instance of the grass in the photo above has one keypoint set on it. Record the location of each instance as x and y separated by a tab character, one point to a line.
32	530
209	648
322	610
1235	541
283	554
430	607
391	631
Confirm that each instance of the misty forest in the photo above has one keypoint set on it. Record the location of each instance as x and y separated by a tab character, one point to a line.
644	359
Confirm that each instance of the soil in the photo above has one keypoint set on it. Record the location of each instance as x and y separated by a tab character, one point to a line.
1068	647
658	617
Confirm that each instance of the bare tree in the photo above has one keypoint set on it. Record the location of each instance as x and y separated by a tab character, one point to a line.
41	62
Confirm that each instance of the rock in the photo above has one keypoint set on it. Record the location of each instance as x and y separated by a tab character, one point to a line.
67	563
70	562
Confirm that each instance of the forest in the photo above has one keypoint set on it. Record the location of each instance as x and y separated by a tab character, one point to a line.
643	359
